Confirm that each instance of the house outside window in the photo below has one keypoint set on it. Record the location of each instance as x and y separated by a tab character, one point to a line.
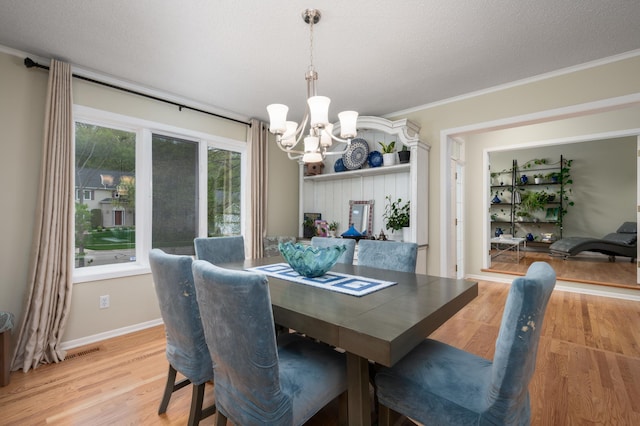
142	185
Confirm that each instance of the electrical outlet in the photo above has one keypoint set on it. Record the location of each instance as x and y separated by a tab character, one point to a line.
104	301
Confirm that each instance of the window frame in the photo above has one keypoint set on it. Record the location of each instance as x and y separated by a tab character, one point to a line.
144	129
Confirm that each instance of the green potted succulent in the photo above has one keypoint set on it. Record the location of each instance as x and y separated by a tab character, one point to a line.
388	153
404	155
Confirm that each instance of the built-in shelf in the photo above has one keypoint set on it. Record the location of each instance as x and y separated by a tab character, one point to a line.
371	171
331	193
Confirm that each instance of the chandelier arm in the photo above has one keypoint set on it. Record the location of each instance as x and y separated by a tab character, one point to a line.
288	149
302	127
294	157
337	139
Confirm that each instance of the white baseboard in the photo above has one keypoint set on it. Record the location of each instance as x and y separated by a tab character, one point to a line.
109	334
591	289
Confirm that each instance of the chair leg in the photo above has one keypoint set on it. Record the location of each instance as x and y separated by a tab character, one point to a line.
170	387
384	417
343	409
221	419
5	357
197	396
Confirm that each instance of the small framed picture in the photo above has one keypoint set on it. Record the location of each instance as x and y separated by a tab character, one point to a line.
322	228
309	224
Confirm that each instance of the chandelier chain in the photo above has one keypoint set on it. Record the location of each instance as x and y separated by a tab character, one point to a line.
311	44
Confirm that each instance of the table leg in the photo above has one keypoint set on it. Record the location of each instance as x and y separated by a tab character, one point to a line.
358	390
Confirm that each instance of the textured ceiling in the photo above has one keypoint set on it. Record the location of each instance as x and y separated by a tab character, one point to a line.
374	56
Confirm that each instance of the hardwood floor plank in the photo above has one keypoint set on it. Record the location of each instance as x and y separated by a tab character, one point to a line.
587	370
588	268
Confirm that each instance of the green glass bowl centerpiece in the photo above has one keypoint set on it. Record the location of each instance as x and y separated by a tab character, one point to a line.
310	261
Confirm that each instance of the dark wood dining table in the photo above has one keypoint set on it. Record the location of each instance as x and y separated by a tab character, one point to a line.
381	327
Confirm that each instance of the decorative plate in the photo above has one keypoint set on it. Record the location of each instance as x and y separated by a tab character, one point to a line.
356	155
375	159
338	166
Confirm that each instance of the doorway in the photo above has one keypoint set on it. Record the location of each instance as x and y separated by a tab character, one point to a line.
477	257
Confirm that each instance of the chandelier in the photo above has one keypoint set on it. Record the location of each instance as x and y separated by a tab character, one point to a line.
320	137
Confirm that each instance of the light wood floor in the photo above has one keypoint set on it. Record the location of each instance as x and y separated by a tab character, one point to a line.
587	372
591	269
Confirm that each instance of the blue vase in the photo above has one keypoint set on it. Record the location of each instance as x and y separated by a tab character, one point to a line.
524	179
496	200
498	232
375	159
529	236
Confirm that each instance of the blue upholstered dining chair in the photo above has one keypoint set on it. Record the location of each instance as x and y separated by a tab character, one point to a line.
440	384
219	250
347	256
186	348
260	379
392	255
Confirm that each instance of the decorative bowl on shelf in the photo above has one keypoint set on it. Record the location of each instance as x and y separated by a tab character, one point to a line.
310	261
375	159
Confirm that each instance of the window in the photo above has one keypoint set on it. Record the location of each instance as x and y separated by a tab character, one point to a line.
223	192
104	175
86	195
142	185
175	194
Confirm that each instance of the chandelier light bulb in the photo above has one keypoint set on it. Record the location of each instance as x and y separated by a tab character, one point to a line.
325	136
319	108
289	136
278	118
311	153
348	123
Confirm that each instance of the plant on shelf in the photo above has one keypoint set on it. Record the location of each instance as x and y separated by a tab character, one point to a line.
533	201
404	155
552	177
565	179
523	216
333	227
309	228
533	163
388	148
396	214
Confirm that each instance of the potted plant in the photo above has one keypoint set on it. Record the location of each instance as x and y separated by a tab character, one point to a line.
533	201
537	178
388	153
333	227
308	228
396	215
404	155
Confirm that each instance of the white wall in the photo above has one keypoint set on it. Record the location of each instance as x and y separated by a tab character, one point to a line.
600	82
133	299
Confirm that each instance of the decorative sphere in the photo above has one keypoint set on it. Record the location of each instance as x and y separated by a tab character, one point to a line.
310	261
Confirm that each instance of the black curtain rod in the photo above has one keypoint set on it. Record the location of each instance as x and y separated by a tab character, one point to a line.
29	63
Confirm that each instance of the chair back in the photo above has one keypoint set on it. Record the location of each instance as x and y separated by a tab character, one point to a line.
347	256
390	255
238	324
186	348
219	250
270	244
517	344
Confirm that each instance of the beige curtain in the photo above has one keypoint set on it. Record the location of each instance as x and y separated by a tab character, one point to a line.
258	186
49	298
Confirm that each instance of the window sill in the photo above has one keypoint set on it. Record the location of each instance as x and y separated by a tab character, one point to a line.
97	273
